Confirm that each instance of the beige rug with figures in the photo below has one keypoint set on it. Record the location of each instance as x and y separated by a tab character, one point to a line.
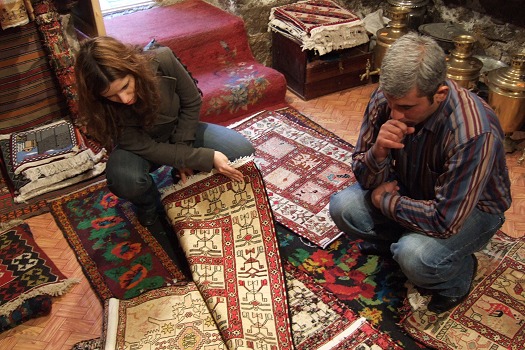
493	315
226	231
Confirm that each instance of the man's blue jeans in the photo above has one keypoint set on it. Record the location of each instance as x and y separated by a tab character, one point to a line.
442	265
128	175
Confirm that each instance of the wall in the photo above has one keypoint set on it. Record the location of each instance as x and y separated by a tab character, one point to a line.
498	25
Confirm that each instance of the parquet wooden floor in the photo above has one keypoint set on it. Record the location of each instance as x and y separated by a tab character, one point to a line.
77	315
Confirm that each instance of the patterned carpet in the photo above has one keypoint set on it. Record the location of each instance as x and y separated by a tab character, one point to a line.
317	316
373	288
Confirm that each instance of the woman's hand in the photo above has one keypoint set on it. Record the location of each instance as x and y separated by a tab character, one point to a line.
184	173
222	164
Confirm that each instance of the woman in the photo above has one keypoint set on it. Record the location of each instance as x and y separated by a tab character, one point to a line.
144	106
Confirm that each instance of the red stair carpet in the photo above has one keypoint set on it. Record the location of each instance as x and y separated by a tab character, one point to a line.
213	44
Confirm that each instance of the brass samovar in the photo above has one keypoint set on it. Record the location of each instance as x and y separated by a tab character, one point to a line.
396	28
507	97
417	11
461	66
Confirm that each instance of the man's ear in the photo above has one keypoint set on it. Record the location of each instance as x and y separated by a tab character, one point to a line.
441	93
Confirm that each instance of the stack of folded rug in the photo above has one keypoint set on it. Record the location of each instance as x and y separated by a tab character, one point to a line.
40	149
47	158
320	25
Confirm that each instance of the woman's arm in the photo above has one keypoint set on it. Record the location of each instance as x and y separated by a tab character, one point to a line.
186	92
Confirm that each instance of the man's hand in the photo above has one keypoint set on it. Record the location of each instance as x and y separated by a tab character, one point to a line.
385	187
390	136
222	164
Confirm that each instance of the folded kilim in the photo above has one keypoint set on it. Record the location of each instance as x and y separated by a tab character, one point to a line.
321	25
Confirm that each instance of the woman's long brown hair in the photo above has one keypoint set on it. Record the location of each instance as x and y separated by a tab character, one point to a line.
99	62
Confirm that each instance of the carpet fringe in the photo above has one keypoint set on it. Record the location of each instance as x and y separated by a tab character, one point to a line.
63	169
231	126
335	343
53	289
97	170
82	159
4	226
342	33
201	176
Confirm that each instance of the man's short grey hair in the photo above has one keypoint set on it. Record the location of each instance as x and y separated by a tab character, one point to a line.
413	60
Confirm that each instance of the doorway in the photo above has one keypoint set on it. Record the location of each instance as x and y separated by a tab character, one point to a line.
111	6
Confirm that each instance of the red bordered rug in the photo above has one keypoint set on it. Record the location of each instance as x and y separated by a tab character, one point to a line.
226	231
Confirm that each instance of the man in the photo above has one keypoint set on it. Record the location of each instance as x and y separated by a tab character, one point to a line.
432	183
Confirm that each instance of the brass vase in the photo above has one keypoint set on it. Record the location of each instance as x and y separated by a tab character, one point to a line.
507	96
462	67
417	11
397	27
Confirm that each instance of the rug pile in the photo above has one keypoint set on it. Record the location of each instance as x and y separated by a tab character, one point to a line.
47	158
258	301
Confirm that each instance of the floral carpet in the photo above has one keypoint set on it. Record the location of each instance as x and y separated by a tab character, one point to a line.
370	285
119	256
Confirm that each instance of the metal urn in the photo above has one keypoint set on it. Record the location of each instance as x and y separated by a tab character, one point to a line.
443	33
507	96
462	67
417	11
397	27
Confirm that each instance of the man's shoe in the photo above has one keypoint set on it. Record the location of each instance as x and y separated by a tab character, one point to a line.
367	248
440	303
147	217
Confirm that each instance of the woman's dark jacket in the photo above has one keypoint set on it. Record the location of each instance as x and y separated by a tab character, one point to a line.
169	141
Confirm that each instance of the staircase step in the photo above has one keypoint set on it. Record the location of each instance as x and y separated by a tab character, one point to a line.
213	44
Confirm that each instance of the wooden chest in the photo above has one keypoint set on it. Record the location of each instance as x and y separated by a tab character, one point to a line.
309	75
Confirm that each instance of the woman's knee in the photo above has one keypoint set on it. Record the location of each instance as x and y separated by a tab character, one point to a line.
244	147
228	141
126	177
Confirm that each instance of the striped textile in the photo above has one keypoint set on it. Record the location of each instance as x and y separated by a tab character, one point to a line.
29	94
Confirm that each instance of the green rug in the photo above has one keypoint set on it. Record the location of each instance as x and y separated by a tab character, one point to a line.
121	258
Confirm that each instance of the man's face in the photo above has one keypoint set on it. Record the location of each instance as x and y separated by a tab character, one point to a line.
413	109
